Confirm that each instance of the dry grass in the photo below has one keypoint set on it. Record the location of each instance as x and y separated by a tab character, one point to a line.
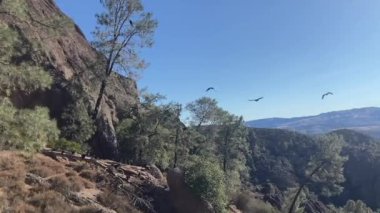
80	166
45	166
50	201
17	196
43	171
71	174
116	202
88	172
60	179
12	174
81	182
66	184
89	209
25	208
89	175
88	184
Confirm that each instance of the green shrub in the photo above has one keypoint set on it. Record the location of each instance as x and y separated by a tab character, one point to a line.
25	129
352	207
63	144
130	141
22	129
77	124
206	179
247	203
18	73
16	8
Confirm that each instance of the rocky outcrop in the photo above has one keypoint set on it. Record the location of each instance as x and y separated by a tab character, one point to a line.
155	171
315	206
66	182
273	195
64	51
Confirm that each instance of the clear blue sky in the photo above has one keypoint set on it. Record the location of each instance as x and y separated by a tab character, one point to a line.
289	51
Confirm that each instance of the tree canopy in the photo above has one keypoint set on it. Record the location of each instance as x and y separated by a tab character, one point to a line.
122	29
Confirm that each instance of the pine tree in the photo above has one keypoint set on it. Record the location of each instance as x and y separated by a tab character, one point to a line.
122	29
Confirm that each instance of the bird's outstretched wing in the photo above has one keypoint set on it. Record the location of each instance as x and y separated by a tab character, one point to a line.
210	88
326	94
257	99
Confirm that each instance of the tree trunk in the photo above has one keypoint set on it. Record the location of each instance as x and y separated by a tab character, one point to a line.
226	149
140	156
200	124
176	147
99	100
296	198
303	185
177	135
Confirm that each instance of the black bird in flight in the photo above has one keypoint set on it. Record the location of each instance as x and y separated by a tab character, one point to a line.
131	23
326	94
210	88
257	99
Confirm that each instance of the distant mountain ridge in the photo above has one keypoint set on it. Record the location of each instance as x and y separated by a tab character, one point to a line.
364	120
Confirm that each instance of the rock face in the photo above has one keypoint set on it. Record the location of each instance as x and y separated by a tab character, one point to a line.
74	64
155	171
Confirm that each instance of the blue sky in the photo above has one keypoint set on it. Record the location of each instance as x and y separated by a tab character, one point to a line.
289	51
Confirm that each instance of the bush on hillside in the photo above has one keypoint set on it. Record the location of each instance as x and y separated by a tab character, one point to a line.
21	74
247	203
206	179
353	207
25	129
20	71
77	124
66	145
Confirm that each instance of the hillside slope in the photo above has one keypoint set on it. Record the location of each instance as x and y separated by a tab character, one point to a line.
278	154
365	120
69	184
361	173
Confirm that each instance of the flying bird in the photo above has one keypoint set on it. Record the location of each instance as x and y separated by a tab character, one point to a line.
326	94
256	100
131	23
209	89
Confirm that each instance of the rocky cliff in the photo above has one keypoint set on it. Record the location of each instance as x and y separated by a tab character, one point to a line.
62	49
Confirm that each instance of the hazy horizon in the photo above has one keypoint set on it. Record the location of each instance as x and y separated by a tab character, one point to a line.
300	116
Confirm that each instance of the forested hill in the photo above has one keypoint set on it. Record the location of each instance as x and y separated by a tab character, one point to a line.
282	157
365	120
